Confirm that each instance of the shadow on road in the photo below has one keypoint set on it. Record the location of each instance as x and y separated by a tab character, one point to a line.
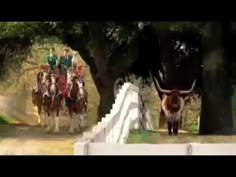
22	131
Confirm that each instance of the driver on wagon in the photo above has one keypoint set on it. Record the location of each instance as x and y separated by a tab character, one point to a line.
52	60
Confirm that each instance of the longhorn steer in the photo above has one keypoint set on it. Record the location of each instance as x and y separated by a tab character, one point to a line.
172	104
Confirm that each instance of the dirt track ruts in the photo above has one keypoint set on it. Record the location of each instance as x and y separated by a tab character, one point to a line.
30	140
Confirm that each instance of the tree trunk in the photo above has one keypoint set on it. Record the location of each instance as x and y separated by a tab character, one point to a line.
104	84
216	112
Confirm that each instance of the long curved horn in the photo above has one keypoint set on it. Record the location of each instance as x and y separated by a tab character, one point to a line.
158	86
188	91
161	75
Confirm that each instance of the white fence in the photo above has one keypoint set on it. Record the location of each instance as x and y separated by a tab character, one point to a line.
126	113
109	136
154	149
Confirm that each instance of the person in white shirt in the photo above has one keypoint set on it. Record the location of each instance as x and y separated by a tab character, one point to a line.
75	62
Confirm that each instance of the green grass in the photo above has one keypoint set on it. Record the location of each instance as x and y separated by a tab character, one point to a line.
4	119
163	138
141	136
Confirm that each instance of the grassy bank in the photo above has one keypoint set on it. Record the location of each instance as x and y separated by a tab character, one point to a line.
164	138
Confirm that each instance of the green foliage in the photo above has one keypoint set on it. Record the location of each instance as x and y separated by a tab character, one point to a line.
4	119
116	33
187	26
17	29
191	115
77	28
179	26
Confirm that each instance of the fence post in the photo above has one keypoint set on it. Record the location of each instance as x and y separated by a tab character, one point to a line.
81	148
137	110
189	149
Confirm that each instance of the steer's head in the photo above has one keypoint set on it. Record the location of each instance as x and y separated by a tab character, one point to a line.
173	97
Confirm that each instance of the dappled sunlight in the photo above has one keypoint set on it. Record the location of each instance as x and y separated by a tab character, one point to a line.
161	58
20	85
22	135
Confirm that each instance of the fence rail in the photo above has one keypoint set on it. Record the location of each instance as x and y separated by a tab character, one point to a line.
154	149
124	116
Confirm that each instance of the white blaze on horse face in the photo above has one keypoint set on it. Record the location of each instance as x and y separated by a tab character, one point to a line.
53	86
53	79
46	93
81	90
44	77
69	78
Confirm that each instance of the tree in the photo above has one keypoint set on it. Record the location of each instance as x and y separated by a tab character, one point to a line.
216	113
105	47
108	48
113	49
181	56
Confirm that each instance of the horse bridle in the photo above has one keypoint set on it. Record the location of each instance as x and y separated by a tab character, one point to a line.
81	87
39	82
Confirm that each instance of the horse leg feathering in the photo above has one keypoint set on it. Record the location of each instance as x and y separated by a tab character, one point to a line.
71	130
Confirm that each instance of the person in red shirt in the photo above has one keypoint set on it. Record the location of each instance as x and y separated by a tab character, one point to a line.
80	70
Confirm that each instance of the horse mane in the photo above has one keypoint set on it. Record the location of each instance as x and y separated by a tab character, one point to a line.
74	88
38	75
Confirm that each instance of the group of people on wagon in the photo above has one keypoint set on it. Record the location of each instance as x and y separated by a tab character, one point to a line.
64	63
61	65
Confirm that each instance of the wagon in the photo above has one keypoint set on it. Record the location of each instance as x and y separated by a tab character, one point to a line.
62	85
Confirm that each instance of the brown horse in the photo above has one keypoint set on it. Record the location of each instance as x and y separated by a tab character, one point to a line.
85	94
75	103
37	96
69	77
52	102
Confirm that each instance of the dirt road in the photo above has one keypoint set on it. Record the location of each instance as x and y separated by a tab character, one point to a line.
30	140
